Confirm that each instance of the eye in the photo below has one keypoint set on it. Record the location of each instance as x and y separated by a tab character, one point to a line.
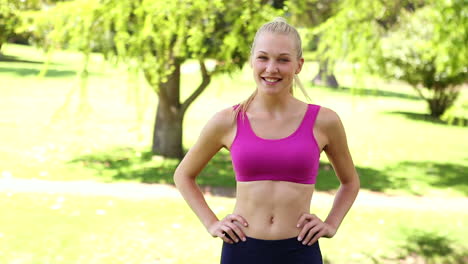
284	60
262	57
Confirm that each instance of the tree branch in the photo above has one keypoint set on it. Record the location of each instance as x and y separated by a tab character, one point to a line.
419	92
206	79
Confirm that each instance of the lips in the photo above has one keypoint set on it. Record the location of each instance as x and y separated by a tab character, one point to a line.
271	80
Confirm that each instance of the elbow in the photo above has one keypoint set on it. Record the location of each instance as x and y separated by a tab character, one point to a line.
180	178
353	184
356	182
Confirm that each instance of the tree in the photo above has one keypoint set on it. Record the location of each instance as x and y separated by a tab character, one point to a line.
8	19
11	16
310	14
75	25
431	59
420	42
159	36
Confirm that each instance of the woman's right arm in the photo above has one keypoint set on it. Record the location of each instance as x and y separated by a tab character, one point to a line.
213	137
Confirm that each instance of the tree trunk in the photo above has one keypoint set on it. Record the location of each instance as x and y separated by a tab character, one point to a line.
167	136
436	108
442	99
325	77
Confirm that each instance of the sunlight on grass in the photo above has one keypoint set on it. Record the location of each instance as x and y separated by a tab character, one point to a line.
394	148
79	229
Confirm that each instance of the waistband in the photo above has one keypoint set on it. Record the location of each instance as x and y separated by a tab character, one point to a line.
284	240
278	243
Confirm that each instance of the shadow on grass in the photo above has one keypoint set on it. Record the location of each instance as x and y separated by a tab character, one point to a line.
409	177
440	175
124	163
458	121
371	92
370	178
7	58
31	72
217	177
423	246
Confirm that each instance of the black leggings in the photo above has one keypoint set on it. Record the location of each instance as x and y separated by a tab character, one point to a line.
259	251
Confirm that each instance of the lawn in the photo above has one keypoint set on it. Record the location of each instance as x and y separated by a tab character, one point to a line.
57	228
395	147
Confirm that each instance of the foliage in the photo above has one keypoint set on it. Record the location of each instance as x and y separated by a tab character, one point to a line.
156	37
424	54
11	15
420	42
74	25
7	20
154	33
310	14
159	33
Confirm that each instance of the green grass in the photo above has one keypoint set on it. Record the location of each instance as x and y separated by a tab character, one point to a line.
396	147
56	228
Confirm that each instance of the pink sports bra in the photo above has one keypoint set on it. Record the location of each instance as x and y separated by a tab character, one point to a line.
294	158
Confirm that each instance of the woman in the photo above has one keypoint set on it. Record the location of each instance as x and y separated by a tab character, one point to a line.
275	142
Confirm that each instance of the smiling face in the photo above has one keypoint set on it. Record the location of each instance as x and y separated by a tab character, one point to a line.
275	62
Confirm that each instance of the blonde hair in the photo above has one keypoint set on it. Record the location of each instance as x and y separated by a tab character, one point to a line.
279	26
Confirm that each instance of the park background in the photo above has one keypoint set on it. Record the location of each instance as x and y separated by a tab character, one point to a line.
86	167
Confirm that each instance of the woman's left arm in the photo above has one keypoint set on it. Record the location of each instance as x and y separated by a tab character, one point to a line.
338	154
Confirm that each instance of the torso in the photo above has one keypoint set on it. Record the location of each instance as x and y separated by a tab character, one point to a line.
273	208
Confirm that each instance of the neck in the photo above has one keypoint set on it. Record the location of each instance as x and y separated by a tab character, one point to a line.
272	103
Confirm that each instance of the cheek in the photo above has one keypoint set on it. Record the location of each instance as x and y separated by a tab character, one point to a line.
288	69
258	66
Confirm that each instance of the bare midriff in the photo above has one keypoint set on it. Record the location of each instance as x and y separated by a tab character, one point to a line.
272	208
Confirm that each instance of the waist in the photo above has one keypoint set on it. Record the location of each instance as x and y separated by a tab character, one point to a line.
272	208
270	225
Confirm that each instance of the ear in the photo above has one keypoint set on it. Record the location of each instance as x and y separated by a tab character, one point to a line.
299	65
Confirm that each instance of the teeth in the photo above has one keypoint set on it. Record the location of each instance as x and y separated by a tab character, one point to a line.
271	80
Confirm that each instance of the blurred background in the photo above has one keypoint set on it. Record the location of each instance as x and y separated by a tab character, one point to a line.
100	99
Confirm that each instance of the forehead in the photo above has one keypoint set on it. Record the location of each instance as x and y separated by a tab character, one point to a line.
275	43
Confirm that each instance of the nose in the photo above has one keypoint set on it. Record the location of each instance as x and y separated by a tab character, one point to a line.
271	67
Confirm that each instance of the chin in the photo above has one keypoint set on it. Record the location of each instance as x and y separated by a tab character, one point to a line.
272	90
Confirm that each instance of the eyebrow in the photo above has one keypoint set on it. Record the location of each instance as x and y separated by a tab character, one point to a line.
284	53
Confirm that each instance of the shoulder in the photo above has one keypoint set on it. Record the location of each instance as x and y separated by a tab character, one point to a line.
327	116
328	120
221	122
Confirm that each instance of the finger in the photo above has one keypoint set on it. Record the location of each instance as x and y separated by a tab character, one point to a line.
305	229
304	219
316	237
239	219
229	232
301	220
310	234
225	238
237	231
